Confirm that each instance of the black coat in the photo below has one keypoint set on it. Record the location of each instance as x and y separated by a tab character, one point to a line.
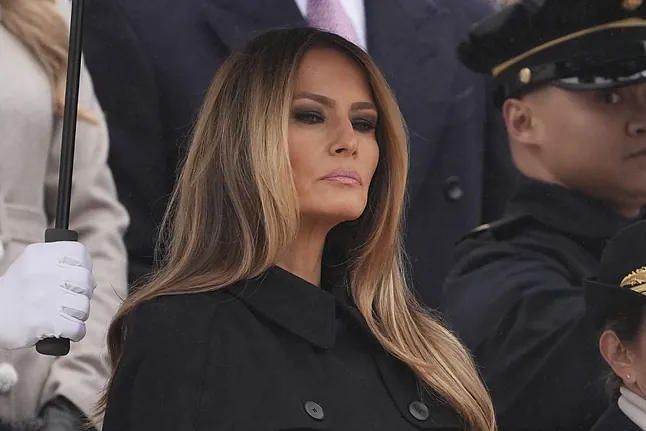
515	298
614	420
274	353
152	61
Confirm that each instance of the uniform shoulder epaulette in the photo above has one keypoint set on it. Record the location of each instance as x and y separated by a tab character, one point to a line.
499	227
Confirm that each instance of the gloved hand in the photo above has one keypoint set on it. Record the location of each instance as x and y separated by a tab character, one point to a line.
45	293
60	414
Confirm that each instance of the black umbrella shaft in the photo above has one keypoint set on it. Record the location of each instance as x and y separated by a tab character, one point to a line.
69	117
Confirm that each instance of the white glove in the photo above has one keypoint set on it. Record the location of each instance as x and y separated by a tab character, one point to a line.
45	293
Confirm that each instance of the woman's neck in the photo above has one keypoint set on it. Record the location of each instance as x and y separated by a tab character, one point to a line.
304	256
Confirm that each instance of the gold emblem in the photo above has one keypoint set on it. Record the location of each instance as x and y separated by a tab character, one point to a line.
481	228
525	75
632	4
636	280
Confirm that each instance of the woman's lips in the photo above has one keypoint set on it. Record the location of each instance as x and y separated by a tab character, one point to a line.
344	177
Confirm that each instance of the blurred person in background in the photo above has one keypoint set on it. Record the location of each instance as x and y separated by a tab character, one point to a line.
54	393
616	302
152	61
570	80
282	302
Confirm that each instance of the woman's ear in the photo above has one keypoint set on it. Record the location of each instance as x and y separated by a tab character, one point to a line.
617	356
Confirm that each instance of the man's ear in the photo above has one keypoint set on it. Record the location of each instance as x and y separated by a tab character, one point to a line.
617	356
521	120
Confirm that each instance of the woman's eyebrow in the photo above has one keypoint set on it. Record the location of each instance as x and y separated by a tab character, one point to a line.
324	100
363	105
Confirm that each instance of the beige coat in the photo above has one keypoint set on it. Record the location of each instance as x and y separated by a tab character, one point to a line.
30	139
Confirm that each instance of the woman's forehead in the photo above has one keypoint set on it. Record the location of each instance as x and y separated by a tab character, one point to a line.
330	73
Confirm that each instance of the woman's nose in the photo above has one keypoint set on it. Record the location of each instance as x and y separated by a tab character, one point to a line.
345	140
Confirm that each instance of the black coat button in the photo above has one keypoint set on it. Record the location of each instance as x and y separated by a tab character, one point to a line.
314	410
419	410
452	189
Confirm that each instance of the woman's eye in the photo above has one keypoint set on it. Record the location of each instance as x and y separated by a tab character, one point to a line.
309	117
610	97
364	126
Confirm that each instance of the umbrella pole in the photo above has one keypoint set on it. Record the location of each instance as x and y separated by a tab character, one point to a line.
61	346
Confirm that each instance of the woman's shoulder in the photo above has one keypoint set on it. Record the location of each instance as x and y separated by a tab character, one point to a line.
186	302
187	316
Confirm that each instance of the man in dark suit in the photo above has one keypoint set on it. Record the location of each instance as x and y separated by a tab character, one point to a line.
152	62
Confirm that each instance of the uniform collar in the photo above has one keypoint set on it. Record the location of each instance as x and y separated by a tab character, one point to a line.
296	305
566	210
633	406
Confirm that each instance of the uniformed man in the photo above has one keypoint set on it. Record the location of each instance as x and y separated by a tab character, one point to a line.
571	82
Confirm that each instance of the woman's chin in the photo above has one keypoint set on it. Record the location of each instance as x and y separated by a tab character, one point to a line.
335	215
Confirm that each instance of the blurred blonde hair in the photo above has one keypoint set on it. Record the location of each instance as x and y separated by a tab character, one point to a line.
235	208
40	27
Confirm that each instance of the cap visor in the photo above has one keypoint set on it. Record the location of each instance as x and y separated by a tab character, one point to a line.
576	83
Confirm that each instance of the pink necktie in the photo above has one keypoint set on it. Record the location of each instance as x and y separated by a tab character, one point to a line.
329	15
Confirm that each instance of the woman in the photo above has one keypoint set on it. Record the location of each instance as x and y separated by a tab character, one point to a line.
282	302
33	49
616	302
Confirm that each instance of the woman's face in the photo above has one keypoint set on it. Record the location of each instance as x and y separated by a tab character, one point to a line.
331	137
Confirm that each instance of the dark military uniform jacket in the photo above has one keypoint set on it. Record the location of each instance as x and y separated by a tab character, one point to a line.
515	298
615	420
273	353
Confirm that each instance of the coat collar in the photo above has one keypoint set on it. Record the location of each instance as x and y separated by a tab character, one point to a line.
291	302
614	419
310	312
235	22
565	210
633	406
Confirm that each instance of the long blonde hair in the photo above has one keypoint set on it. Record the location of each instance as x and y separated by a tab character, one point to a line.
41	28
235	208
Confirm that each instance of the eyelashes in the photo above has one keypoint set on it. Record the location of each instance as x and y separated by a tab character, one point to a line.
364	125
308	117
360	124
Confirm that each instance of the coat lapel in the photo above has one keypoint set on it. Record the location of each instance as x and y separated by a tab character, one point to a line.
413	42
236	22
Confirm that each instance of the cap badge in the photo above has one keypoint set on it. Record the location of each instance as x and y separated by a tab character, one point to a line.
636	280
632	4
525	75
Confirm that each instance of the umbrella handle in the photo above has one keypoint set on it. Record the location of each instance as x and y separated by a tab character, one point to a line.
56	346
